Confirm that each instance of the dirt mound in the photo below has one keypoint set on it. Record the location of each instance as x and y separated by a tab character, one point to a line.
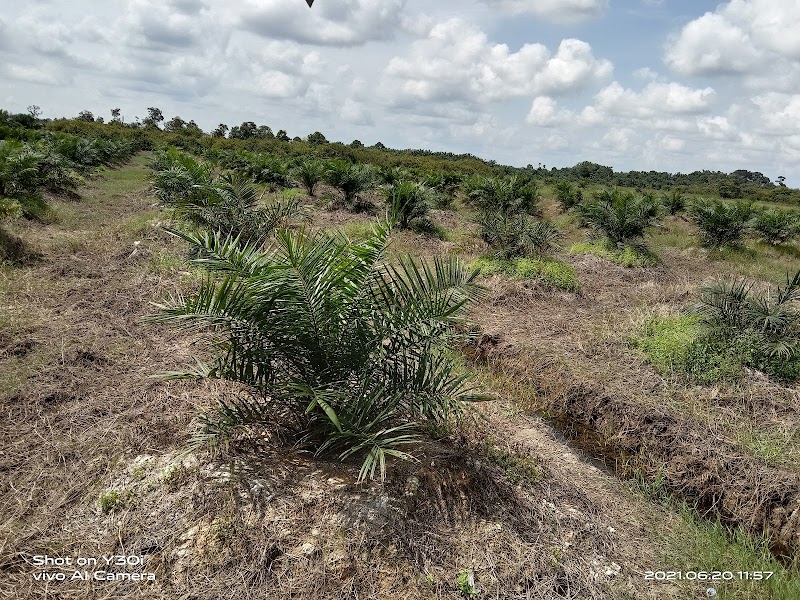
694	464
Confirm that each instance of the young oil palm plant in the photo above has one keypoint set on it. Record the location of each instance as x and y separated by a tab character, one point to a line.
407	201
673	201
229	204
510	196
621	217
516	236
721	223
309	173
346	350
568	195
763	328
19	168
178	179
776	226
350	179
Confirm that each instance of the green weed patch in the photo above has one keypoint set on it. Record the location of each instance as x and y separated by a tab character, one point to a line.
627	256
549	271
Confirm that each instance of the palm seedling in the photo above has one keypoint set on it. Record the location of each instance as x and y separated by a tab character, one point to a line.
721	223
390	175
229	204
19	169
621	217
342	348
776	226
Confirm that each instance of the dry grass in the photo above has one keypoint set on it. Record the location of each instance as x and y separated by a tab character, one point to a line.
91	443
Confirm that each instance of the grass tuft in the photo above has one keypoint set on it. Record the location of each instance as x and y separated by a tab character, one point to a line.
549	271
627	256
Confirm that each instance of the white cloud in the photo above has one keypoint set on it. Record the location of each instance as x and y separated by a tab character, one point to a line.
712	45
672	144
645	73
716	128
545	113
457	62
618	140
654	100
740	37
558	11
330	23
356	113
772	24
33	74
780	113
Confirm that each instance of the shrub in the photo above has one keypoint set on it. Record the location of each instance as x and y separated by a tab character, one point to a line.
679	345
346	350
730	189
720	223
620	217
776	226
730	328
519	235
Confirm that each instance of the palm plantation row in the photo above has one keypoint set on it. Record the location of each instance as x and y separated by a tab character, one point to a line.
282	303
353	352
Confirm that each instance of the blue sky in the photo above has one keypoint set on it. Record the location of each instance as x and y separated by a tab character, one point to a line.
673	85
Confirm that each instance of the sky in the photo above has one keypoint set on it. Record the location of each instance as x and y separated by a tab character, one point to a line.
666	85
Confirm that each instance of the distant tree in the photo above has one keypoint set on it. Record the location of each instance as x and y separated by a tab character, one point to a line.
116	115
193	127
99	120
85	115
264	132
245	131
380	146
297	138
593	171
282	135
316	138
154	117
730	189
221	131
175	124
34	111
356	144
781	181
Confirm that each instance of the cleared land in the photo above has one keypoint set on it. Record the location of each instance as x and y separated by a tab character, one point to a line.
92	445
